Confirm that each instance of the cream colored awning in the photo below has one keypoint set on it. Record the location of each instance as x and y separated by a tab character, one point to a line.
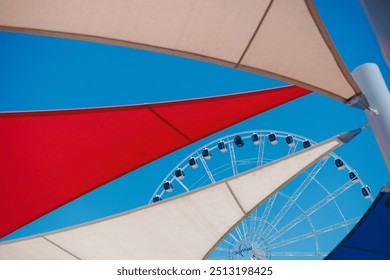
282	39
184	227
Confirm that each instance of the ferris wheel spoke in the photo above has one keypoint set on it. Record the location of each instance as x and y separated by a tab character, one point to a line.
196	183
233	236
314	233
292	149
259	237
253	225
182	184
265	215
335	203
227	242
311	210
222	249
308	220
233	159
299	254
245	229
206	167
260	152
297	193
245	161
239	233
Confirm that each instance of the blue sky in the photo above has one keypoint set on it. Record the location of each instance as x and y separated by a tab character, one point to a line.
41	73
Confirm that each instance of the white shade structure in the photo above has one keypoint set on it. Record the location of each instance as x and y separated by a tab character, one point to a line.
281	39
189	226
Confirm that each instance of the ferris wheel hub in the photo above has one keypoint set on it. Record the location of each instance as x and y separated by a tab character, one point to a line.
248	249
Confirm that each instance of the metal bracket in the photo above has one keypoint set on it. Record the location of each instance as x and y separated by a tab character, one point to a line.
359	101
348	136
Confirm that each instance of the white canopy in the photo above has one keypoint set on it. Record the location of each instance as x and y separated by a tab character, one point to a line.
282	39
185	227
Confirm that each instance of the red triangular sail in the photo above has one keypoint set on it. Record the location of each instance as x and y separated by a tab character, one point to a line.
50	158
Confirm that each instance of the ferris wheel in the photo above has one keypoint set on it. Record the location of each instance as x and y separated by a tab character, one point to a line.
304	220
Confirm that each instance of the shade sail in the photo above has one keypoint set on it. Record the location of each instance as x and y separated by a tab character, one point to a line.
53	157
282	39
185	227
370	238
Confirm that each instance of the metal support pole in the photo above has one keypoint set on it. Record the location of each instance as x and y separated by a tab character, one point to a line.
373	86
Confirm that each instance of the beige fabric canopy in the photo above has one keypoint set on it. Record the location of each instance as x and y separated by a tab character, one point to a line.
185	227
281	39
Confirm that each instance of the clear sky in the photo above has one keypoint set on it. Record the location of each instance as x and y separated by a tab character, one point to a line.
41	73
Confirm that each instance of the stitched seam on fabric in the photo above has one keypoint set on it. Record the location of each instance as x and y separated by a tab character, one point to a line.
254	34
169	124
58	246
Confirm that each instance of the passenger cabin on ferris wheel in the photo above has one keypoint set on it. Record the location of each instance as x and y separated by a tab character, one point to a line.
255	138
206	153
273	139
238	141
192	162
222	146
290	141
179	173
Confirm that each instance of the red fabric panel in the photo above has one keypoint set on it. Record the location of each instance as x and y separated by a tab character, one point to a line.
199	118
51	158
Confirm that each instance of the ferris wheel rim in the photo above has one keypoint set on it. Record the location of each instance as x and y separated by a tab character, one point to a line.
184	162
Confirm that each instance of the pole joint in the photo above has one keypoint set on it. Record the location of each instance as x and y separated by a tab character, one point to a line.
359	101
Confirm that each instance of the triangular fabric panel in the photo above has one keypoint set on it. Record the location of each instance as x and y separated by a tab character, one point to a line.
293	44
282	39
370	238
196	221
53	157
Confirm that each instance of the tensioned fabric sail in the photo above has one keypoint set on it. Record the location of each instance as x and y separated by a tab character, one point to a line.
197	220
286	40
370	238
49	158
